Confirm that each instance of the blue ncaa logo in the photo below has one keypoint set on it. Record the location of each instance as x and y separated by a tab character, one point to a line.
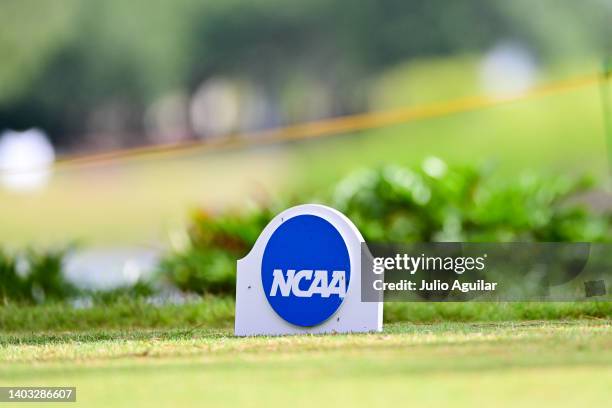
306	270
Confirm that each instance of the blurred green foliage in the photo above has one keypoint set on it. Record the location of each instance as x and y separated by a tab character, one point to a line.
64	60
34	276
215	243
139	290
432	203
436	203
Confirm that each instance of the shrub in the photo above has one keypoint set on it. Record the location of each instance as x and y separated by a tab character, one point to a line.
433	203
436	204
34	276
208	265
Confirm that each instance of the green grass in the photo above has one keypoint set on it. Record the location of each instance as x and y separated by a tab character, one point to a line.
555	134
128	313
131	353
554	363
122	313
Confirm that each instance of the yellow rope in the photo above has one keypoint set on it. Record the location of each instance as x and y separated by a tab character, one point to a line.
343	124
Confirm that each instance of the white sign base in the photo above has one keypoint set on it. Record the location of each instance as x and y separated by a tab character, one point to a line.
255	316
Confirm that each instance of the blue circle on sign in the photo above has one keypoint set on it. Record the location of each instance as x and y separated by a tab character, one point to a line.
306	270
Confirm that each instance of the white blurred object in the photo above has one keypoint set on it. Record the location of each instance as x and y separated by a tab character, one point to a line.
109	268
434	167
25	160
215	108
167	119
508	69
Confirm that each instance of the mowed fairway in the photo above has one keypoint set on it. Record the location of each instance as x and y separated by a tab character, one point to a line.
554	363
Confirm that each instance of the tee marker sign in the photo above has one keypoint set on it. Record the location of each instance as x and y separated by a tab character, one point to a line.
303	275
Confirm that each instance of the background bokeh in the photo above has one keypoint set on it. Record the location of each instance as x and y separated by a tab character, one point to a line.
97	76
